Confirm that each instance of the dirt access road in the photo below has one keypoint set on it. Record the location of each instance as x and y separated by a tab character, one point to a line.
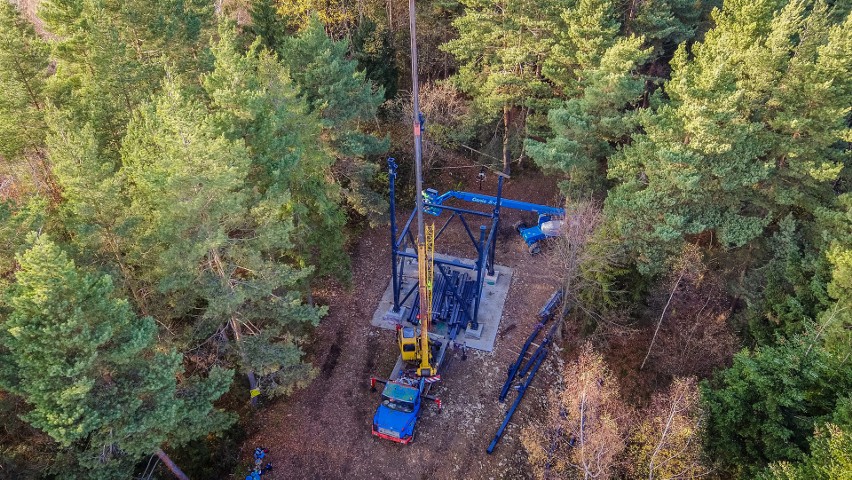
323	430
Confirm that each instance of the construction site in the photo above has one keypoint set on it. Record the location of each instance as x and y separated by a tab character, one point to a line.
325	430
466	239
462	283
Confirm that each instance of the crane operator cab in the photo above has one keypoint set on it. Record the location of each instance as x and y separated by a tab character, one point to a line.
409	347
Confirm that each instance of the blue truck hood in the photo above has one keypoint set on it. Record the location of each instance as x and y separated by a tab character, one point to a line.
393	420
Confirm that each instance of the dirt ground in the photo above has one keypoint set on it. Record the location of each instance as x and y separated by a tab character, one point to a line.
323	430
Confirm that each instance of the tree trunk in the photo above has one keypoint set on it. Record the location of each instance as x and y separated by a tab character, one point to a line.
178	473
216	263
235	327
506	121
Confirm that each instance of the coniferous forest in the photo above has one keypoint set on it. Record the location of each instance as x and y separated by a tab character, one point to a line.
185	184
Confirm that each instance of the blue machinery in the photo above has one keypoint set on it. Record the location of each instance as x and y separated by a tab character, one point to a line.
524	372
463	293
549	219
445	294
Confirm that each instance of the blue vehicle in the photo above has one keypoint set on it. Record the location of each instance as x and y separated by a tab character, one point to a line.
401	404
549	224
546	227
397	414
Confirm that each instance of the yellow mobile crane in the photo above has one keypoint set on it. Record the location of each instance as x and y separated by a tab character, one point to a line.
425	243
418	347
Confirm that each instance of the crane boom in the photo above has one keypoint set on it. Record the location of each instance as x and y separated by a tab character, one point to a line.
425	249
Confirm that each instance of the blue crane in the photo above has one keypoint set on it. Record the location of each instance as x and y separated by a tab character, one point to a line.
549	224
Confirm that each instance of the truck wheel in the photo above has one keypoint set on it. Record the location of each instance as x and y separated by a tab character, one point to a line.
519	226
534	249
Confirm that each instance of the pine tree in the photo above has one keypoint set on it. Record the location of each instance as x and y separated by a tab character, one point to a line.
764	408
589	29
111	56
95	210
587	128
91	371
254	98
373	49
346	103
749	134
212	228
23	72
502	47
267	24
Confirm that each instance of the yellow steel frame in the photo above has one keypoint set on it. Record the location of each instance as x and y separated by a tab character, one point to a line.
426	274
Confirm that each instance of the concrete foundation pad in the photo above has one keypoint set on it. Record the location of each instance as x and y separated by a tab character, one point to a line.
395	317
490	307
474	333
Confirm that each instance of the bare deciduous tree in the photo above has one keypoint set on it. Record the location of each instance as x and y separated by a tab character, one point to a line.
585	432
585	259
692	336
442	107
687	266
666	444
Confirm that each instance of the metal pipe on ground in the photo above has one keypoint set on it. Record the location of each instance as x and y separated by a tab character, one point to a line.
513	368
521	391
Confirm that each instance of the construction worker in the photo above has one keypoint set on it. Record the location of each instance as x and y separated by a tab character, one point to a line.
259	469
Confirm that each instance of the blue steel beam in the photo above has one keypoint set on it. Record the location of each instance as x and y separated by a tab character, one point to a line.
456	209
522	389
492	201
452	263
394	278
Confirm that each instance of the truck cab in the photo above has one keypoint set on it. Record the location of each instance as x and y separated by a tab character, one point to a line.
395	418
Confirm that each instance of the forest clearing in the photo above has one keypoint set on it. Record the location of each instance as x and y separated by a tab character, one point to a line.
294	239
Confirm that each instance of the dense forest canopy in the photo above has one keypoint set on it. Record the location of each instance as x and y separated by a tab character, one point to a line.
177	177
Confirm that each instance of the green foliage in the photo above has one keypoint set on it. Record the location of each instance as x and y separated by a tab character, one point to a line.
764	408
94	208
666	23
23	68
90	369
254	98
749	135
111	56
345	102
792	283
373	48
587	128
219	245
501	47
836	320
15	222
830	458
266	24
583	32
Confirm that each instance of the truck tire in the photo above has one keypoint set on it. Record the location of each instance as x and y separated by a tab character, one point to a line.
519	226
534	249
